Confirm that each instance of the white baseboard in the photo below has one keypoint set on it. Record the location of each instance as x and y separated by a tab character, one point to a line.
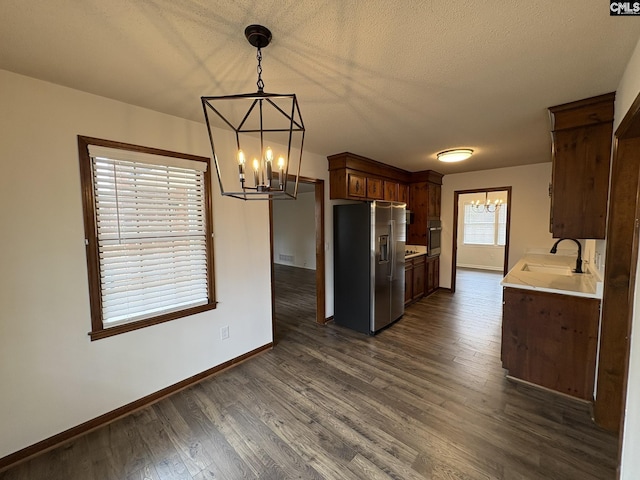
294	265
480	267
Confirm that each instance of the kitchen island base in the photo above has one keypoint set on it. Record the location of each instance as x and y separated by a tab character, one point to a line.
550	340
580	401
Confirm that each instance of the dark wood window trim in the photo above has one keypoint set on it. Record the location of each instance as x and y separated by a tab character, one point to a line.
98	330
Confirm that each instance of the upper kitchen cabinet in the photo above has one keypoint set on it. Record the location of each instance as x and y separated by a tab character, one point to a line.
353	177
391	191
425	194
582	135
403	193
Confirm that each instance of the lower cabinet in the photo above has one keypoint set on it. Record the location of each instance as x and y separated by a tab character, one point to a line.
421	277
432	282
418	277
408	281
414	275
550	340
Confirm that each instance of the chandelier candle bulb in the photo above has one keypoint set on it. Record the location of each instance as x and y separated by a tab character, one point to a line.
281	171
268	162
256	169
269	173
241	162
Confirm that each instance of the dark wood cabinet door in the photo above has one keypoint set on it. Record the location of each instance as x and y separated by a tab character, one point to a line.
408	282
434	194
582	136
419	195
425	205
580	184
374	189
436	275
357	185
418	277
432	282
550	340
390	191
403	195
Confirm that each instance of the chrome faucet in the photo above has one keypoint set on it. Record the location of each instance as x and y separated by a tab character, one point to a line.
554	249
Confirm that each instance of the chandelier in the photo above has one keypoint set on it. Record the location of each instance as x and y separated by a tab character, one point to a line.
259	137
487	206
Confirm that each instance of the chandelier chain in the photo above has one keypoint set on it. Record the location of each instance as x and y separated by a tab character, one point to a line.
259	69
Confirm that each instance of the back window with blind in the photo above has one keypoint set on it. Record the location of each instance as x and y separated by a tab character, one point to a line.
148	235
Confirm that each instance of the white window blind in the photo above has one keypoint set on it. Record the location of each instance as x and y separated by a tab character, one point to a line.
502	225
151	233
484	228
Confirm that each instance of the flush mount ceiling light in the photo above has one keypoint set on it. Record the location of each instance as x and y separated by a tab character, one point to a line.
455	155
261	128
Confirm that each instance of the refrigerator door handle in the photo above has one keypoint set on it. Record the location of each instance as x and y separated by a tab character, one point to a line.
392	248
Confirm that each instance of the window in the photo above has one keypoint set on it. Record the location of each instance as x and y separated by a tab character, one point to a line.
485	228
147	217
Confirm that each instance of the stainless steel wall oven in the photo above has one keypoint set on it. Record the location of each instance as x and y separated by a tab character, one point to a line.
434	237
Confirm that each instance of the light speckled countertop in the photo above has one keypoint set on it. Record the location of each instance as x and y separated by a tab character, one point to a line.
586	284
418	249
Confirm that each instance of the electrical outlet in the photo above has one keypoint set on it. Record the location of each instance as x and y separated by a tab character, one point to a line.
224	332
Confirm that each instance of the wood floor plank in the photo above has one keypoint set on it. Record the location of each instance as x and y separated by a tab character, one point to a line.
172	468
162	451
366	469
148	472
343	420
410	416
215	410
194	451
305	443
351	426
226	463
426	398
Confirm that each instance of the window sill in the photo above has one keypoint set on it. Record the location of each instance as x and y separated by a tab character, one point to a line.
129	327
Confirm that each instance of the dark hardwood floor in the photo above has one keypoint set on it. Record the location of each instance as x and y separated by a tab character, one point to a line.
426	398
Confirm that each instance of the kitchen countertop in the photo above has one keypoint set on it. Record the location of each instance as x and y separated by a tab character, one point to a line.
416	250
586	284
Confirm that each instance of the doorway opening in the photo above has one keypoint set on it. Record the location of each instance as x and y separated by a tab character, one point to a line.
298	254
481	226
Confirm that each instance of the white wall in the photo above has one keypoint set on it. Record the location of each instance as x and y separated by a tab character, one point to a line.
529	209
52	377
628	90
487	257
316	166
294	231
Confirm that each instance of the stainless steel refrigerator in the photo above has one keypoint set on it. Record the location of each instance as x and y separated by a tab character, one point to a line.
369	240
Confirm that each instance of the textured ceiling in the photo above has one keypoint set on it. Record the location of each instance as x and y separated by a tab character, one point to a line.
393	81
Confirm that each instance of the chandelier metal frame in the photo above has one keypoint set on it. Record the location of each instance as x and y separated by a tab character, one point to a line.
267	183
487	206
